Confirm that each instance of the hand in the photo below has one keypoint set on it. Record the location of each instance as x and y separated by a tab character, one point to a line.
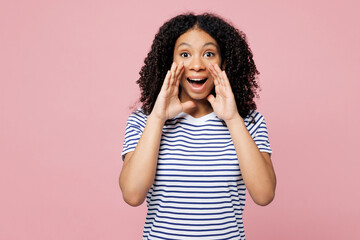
223	104
168	104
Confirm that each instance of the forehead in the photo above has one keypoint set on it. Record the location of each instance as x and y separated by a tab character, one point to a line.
195	38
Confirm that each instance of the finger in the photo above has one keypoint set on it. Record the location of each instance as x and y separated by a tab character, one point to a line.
218	80
226	79
173	65
219	74
178	73
211	99
218	89
213	74
172	70
166	82
180	76
216	74
188	105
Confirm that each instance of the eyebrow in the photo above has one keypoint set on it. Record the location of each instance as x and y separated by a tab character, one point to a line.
206	44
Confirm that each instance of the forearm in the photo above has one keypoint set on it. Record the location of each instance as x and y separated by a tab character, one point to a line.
259	176
139	171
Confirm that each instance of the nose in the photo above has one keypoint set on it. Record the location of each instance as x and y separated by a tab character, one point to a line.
197	63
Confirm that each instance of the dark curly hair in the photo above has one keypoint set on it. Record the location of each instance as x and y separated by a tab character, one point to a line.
234	50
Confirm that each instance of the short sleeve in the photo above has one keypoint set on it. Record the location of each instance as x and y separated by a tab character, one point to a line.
255	123
134	127
261	137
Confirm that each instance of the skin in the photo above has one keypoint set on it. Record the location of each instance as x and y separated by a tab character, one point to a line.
196	49
196	53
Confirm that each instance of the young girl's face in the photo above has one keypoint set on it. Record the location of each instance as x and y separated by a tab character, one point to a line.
196	49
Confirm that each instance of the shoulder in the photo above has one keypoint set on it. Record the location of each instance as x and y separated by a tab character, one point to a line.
138	117
254	121
253	117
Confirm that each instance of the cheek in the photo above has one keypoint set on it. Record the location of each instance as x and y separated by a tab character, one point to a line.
177	59
215	61
186	64
186	69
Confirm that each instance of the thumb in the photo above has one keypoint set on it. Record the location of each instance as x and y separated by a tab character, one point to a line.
188	105
211	99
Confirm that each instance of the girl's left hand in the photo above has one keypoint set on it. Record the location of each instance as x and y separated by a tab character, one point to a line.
223	104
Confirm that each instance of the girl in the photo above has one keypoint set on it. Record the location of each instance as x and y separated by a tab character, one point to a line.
197	142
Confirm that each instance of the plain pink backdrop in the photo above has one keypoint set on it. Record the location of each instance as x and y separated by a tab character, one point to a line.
67	80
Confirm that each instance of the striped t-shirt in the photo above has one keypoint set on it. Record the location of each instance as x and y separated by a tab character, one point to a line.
198	191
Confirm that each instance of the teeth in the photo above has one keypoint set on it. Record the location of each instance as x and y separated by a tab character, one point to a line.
197	79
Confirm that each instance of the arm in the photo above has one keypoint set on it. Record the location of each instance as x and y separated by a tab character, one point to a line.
139	168
256	167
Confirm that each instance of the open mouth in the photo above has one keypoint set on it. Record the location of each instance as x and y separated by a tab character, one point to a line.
197	82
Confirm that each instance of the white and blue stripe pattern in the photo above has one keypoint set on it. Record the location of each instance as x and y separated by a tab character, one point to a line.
198	192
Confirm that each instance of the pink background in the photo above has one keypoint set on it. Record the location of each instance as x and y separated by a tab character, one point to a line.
67	80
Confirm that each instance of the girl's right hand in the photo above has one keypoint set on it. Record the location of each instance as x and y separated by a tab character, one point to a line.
168	104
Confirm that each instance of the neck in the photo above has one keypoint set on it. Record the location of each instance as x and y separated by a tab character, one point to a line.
202	108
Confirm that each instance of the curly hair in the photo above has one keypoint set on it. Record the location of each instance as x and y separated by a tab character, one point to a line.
234	50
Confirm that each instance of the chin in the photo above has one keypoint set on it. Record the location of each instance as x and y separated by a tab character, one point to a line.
197	96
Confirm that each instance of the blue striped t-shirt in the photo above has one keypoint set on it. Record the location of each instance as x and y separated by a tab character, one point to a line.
198	191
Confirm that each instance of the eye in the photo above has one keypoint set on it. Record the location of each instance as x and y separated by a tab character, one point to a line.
185	54
209	54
